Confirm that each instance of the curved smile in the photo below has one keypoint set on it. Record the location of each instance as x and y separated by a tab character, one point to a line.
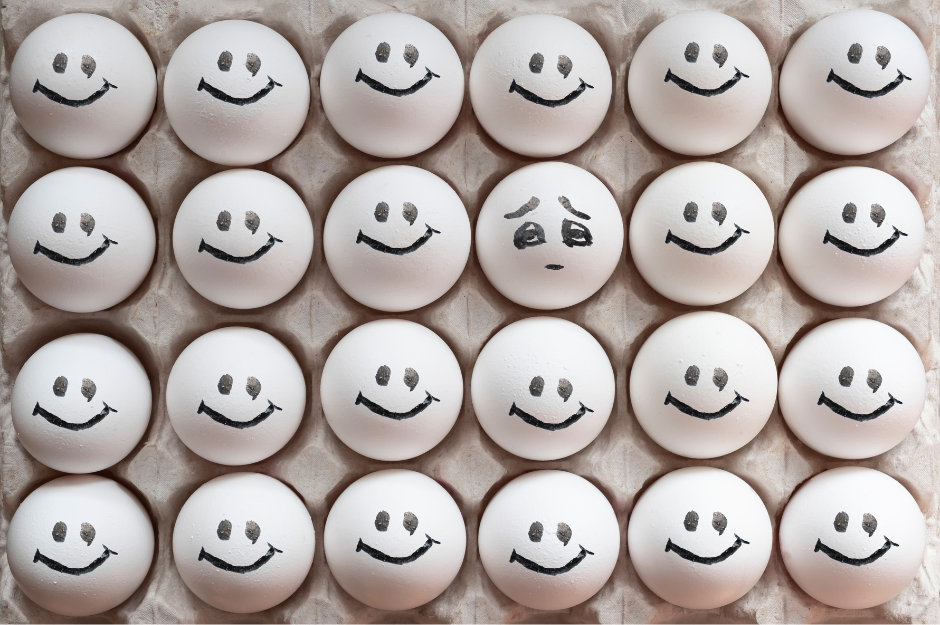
544	570
372	82
240	260
698	414
691	557
75	427
891	86
707	251
844	559
551	427
855	416
55	97
851	249
74	262
685	85
219	563
397	251
384	557
397	416
218	94
531	97
61	568
218	417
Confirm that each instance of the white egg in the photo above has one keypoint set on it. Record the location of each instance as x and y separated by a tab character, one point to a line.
82	86
852	236
243	542
391	85
540	85
852	388
397	238
394	539
701	234
549	261
852	537
700	538
81	239
235	395
236	92
243	238
703	384
699	83
855	82
79	545
549	540
81	403
542	388
391	389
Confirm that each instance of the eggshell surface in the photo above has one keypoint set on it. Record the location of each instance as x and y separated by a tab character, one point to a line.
852	537
394	539
243	542
852	236
540	85
392	85
549	235
699	83
235	395
81	239
701	234
700	538
79	545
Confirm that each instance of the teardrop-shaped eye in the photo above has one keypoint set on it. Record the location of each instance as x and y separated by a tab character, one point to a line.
382	375
253	63
564	65
225	61
410	55
381	521
720	378
59	63
58	223
252	221
253	386
535	65
882	56
849	211
252	531
88	389
410	212
381	55
691	521
535	532
381	212
225	384
59	530
719	522
88	65
874	380
690	212
536	386
411	378
87	224
720	54
224	221
564	389
60	385
691	375
691	52
855	53
563	533
869	523
224	531
719	212
846	376
410	522
877	214
87	533
842	522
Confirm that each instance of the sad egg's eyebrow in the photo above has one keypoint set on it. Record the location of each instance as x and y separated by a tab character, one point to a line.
571	209
528	207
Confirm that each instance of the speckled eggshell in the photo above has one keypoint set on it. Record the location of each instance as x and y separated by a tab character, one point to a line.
394	539
392	85
243	542
852	388
79	545
540	85
82	86
236	92
549	540
700	538
243	238
855	82
81	403
549	235
852	236
542	388
703	384
397	238
699	83
391	389
235	395
852	537
81	239
701	234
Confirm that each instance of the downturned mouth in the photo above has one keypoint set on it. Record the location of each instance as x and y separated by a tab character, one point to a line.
685	85
397	251
397	416
531	97
384	557
219	563
74	262
707	251
239	260
844	559
705	416
545	570
856	416
851	249
551	427
691	557
847	86
218	94
218	417
55	97
375	84
61	568
75	427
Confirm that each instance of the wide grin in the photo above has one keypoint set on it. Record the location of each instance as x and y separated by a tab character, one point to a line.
691	557
851	249
846	85
384	557
397	251
74	262
75	427
218	94
219	563
698	414
707	251
397	416
687	86
55	97
531	97
844	559
61	568
856	416
551	427
372	82
545	570
218	417
240	260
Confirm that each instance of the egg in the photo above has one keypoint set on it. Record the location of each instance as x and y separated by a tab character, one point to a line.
82	86
540	85
677	541
394	539
81	239
701	234
852	236
391	389
549	261
699	83
243	542
236	92
549	540
79	545
542	388
396	238
855	82
703	384
81	403
391	85
847	415
852	537
243	238
235	395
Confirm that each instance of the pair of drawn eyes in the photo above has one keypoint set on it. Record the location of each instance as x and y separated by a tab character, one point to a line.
252	530
719	522
719	377
537	385
383	50
384	374
61	61
409	522
61	386
563	532
252	386
850	211
869	523
873	380
882	55
719	212
252	62
408	210
86	222
252	221
719	53
60	529
563	66
573	234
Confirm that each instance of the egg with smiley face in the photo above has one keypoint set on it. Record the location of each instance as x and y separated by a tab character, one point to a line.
699	538
699	83
852	236
79	545
855	82
236	92
852	537
81	239
394	539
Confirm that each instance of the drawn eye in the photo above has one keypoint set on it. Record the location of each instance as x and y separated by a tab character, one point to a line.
691	52
410	55
410	522
719	522
719	212
252	531
60	385
574	234
535	66
87	224
564	65
381	521
690	212
528	234
535	532
88	65
410	212
252	221
59	63
88	389
842	522
855	53
563	533
224	531
882	56
87	533
411	378
224	221
382	375
720	378
874	380
381	55
59	530
869	523
225	384
691	375
381	212
225	61
846	376
58	223
253	63
536	386
691	521
253	386
877	214
564	389
849	212
720	54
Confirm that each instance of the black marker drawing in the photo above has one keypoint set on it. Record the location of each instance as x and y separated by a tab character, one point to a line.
74	262
551	427
75	427
61	568
384	557
531	97
398	93
851	249
545	570
55	97
687	86
685	554
698	414
219	563
707	251
397	416
847	86
844	559
218	417
397	251
218	94
855	416
239	260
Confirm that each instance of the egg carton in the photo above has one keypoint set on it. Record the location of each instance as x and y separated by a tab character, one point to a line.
165	314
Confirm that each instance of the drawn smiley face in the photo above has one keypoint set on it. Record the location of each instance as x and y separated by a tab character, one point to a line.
59	65
719	56
410	524
564	67
252	533
563	533
409	212
252	65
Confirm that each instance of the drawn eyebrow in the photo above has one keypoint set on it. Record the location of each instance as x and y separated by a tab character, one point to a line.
528	207
571	209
